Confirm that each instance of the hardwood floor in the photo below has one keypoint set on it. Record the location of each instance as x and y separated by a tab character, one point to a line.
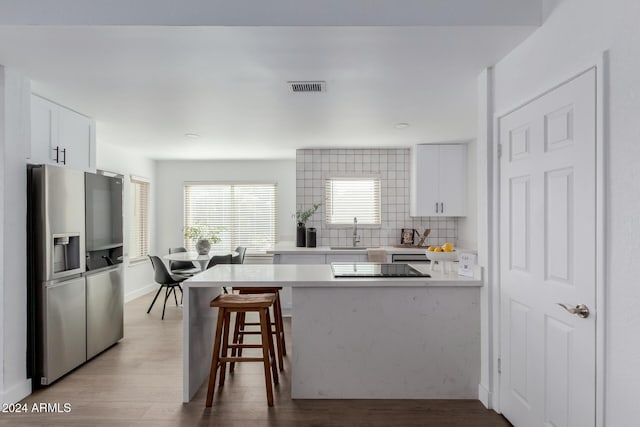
139	382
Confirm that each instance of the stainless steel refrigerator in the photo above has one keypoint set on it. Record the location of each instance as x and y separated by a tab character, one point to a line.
104	245
62	297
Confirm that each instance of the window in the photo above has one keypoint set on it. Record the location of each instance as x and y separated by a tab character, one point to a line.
346	198
139	237
244	214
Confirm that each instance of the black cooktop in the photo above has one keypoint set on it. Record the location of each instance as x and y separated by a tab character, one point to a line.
375	270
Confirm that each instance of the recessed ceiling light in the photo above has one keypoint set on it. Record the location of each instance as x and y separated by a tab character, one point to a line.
401	125
192	135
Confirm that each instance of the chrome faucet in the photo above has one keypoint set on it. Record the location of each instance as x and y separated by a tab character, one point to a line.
356	238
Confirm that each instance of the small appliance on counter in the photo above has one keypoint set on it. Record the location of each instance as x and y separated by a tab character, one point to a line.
311	237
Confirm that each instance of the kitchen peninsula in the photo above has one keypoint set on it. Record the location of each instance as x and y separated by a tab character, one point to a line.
354	338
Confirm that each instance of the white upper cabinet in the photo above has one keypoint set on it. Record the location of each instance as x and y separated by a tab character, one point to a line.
438	180
60	136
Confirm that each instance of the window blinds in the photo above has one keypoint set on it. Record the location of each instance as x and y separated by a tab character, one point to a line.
244	214
346	198
139	237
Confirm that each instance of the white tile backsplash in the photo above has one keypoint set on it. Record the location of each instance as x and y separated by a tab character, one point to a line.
392	167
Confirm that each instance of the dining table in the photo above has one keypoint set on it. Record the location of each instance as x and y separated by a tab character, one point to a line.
201	260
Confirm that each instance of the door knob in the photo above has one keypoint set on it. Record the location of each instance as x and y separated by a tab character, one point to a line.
580	310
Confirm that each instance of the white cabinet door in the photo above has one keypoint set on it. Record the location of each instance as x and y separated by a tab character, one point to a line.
424	182
60	136
75	136
438	180
44	132
453	180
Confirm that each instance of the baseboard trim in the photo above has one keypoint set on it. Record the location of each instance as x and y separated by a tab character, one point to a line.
140	292
17	392
485	396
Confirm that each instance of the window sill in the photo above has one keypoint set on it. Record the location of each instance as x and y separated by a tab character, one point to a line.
350	226
133	262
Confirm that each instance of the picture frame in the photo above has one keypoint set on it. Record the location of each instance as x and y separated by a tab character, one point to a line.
406	236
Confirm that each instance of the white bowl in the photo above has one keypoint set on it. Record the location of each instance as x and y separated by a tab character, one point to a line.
442	256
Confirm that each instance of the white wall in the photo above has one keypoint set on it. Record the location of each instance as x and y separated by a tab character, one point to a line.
468	225
14	136
138	276
392	167
485	220
574	34
171	175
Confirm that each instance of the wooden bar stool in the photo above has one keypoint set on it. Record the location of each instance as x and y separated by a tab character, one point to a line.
241	304
240	327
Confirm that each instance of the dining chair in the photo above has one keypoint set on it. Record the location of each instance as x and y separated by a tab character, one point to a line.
183	268
219	259
165	280
239	259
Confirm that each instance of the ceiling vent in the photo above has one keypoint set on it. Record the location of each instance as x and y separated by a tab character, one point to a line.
308	86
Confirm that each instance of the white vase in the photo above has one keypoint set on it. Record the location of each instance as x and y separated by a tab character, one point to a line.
203	246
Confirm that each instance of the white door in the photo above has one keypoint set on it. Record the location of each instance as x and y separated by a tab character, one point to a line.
547	256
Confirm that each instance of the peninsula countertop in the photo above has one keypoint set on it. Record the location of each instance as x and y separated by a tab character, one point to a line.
347	330
320	275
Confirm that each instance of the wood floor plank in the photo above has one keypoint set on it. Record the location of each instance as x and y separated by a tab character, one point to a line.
138	382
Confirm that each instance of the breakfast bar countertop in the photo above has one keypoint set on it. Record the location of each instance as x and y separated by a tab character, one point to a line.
336	321
310	276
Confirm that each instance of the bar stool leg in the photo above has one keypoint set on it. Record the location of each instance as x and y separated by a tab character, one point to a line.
241	335
284	344
236	335
279	332
225	346
266	354
272	351
214	357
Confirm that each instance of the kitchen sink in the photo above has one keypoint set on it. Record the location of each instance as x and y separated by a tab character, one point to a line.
356	248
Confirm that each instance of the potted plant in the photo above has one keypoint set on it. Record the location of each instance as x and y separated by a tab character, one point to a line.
203	235
302	216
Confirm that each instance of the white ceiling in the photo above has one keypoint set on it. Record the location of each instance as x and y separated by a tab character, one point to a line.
272	12
147	86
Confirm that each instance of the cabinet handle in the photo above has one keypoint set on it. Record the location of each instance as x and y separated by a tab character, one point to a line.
441	207
57	150
64	156
436	207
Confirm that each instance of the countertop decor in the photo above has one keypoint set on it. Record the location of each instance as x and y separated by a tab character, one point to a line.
302	216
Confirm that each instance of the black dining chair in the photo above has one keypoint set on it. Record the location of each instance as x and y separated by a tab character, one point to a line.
219	259
165	280
183	268
239	259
